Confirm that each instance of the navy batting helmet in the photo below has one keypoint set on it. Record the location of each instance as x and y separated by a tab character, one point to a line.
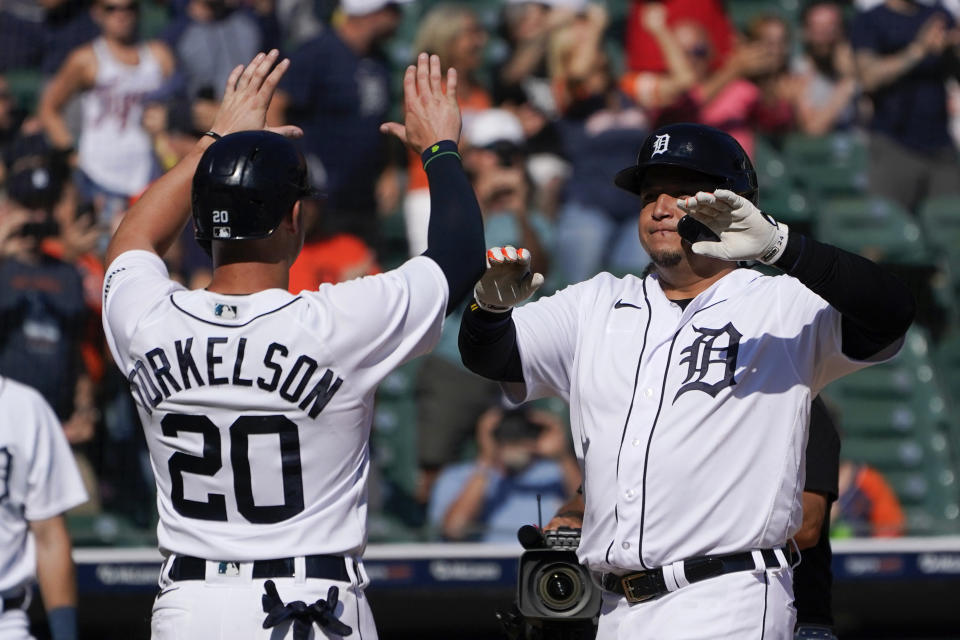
699	148
245	184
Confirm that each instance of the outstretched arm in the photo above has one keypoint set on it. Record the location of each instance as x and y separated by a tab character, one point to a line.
877	308
158	217
432	129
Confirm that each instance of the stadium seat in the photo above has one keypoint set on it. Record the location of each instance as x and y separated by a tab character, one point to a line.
26	86
394	447
940	218
875	228
107	530
827	167
946	358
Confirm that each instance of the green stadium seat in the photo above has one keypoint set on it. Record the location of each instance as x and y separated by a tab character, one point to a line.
394	436
837	150
873	227
940	218
827	166
26	85
900	454
107	530
154	17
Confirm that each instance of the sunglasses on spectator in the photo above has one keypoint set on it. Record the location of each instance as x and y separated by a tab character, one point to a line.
132	7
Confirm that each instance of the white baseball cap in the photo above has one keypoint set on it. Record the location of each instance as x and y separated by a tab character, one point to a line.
487	127
363	7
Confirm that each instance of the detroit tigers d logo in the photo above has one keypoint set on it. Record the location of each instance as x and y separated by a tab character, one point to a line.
711	356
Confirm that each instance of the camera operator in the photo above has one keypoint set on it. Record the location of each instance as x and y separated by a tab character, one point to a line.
520	455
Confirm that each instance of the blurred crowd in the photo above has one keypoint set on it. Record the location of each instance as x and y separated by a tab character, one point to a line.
97	100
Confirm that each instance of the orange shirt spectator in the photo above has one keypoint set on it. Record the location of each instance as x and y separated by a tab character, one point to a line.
867	506
336	259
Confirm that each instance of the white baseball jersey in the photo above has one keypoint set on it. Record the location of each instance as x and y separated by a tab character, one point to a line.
690	424
257	408
38	478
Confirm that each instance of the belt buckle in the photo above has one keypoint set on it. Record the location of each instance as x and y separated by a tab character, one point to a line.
628	588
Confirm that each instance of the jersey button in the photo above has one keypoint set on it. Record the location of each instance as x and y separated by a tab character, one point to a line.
625	545
649	392
636	442
629	494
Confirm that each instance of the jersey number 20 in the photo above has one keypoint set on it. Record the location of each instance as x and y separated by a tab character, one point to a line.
215	508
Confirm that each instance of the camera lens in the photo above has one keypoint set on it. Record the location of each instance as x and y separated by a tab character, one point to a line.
559	587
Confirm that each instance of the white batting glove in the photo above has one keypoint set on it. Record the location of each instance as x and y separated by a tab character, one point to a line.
745	232
507	280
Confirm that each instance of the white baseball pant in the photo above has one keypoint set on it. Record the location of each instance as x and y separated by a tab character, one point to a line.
744	604
229	607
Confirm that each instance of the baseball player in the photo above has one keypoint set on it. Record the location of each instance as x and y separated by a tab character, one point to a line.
39	481
690	388
257	403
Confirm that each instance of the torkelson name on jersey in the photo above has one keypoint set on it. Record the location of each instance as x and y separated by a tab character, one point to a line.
173	369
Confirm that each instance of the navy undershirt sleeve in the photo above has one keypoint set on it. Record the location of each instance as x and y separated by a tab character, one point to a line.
488	344
877	307
455	234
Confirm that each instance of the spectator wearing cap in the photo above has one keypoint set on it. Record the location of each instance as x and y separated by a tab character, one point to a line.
454	33
113	76
42	308
523	463
450	398
904	51
826	70
338	91
600	127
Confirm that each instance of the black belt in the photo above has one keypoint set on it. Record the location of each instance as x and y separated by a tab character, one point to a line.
645	585
324	567
14	602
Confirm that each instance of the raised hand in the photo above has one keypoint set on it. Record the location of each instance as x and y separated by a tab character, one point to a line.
744	232
247	95
507	280
429	114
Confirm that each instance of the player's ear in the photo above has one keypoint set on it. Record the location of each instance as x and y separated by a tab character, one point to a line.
296	218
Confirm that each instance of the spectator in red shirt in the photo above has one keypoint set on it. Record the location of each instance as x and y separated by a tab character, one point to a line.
643	49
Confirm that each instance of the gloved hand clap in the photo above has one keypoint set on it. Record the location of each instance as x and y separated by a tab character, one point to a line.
745	232
507	280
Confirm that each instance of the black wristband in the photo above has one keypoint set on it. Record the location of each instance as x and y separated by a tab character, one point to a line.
212	134
442	148
791	253
492	319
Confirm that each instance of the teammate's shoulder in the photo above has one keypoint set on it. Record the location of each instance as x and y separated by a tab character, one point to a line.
23	395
